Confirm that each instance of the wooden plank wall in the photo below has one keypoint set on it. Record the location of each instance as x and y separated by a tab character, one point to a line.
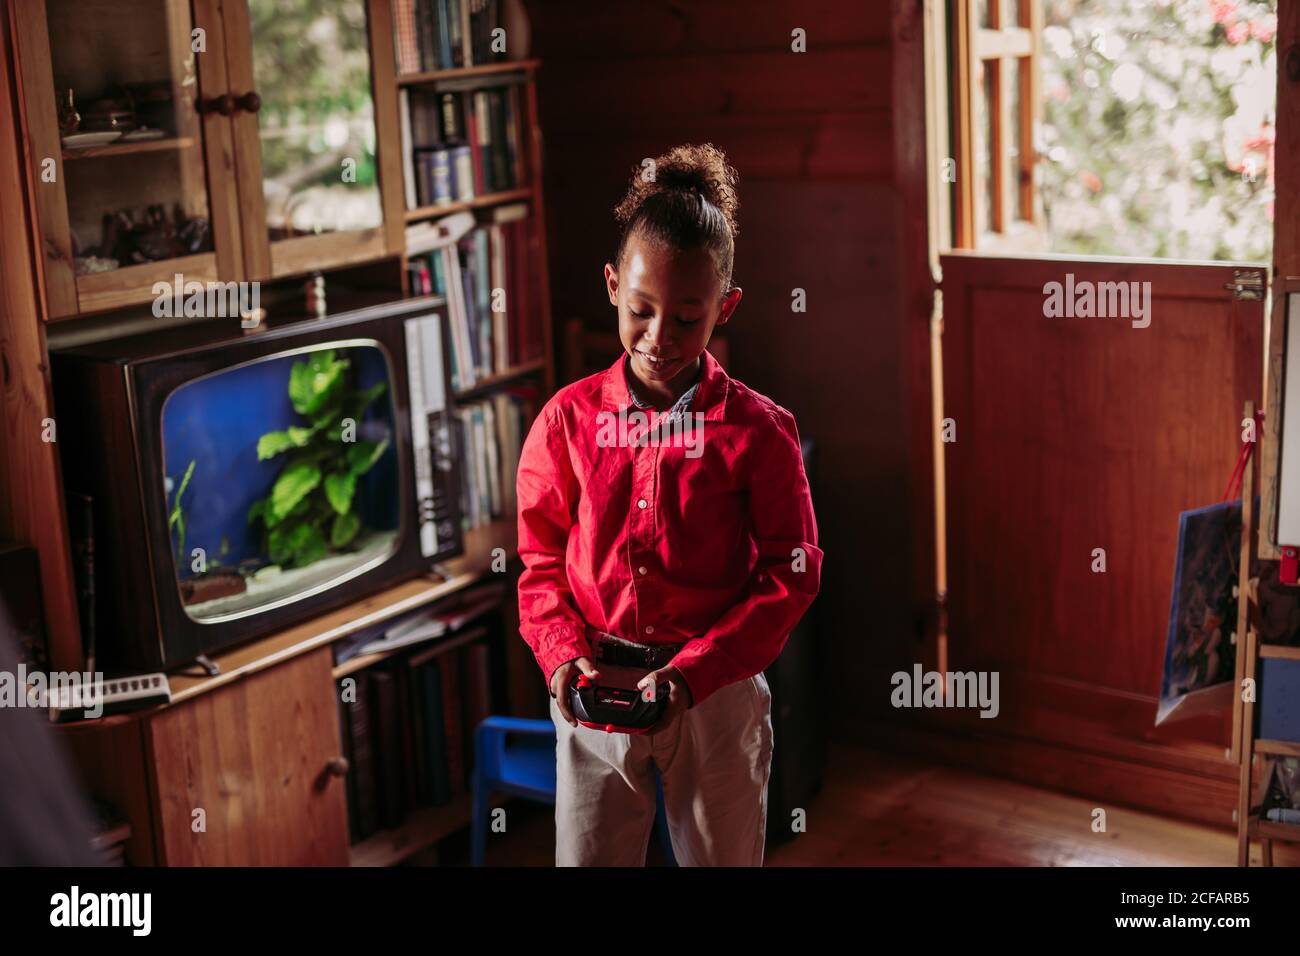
811	136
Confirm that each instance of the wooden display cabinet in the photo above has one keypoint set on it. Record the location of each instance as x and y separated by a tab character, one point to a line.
256	747
224	163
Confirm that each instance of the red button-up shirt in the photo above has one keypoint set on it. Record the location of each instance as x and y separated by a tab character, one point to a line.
705	537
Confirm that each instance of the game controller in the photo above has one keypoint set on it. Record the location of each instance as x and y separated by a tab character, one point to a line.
612	702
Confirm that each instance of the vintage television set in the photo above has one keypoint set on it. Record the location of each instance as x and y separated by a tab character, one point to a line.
240	483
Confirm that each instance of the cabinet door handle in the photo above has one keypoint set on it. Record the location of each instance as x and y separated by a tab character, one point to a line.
223	104
250	102
337	766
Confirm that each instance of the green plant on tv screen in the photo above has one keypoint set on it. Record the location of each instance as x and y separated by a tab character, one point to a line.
308	513
176	517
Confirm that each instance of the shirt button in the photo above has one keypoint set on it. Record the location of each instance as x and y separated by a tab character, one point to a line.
641	570
641	503
649	628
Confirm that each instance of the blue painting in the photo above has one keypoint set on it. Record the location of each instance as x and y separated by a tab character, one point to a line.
1199	653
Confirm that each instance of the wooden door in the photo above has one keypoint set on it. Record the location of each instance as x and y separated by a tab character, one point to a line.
258	758
1076	436
133	185
313	113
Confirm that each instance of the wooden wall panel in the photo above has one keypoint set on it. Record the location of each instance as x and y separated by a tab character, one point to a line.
722	83
1081	433
573	29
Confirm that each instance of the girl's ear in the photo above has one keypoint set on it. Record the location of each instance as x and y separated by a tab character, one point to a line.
729	303
611	283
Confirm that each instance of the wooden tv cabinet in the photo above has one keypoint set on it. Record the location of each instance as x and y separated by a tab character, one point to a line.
246	768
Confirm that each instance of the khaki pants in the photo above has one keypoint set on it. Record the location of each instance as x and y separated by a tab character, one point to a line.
715	760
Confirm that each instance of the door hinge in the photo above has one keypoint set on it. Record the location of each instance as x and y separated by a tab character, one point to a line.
1246	285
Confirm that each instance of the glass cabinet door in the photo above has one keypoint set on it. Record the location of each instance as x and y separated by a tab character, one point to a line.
113	91
307	134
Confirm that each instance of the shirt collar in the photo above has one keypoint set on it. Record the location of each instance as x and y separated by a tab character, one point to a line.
710	400
683	403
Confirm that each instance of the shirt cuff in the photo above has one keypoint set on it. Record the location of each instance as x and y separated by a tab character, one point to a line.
699	673
559	647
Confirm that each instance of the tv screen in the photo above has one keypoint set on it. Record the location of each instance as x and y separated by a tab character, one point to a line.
281	477
238	484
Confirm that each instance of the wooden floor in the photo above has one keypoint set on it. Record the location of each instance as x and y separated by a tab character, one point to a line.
882	809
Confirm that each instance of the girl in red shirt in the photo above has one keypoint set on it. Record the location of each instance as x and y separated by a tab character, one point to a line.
692	543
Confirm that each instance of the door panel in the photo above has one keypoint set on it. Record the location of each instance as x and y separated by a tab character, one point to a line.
1074	434
254	756
114	130
307	153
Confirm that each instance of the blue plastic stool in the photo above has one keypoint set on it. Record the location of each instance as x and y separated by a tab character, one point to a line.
526	769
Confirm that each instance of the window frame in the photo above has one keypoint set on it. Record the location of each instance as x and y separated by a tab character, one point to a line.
1008	54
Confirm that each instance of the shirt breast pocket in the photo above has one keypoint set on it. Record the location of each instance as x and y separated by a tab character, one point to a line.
710	525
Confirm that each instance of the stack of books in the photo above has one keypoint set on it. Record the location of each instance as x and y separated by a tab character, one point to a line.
483	275
460	141
445	34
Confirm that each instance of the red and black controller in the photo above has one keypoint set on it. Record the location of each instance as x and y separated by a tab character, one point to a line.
612	702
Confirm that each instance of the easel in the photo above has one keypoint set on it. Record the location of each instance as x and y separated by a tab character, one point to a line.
1245	746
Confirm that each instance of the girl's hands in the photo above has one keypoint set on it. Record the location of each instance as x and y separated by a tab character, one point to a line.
561	679
679	697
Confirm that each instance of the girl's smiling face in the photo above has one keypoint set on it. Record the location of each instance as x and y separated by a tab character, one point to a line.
669	302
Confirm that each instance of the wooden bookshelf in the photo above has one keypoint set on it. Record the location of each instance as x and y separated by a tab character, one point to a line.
1277	748
262	732
384	606
469	633
458	73
420	829
1280	651
491	383
1274	830
424	213
389	86
425	827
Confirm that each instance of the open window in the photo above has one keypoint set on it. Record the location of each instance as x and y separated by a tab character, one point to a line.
1119	155
1108	127
995	109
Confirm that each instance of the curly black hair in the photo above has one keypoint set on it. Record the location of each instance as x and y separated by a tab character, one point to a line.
686	200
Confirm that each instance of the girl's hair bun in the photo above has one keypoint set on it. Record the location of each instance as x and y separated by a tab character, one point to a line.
687	199
691	169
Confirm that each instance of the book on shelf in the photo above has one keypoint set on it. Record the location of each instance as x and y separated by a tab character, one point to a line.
445	34
408	728
483	273
461	143
386	745
363	806
491	434
452	722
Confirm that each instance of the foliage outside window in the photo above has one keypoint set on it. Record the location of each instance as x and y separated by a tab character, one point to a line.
1123	128
1158	128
